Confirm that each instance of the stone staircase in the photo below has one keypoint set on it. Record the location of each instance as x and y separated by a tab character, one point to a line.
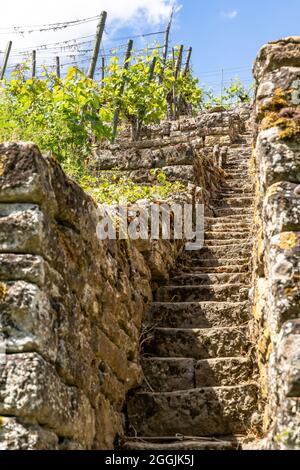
199	391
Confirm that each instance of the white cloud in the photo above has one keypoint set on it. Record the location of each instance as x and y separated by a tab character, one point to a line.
136	15
229	15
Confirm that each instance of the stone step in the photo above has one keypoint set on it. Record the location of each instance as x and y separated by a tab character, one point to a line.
238	183
235	192
225	212
230	219
236	226
197	314
179	445
223	371
234	201
234	269
228	241
193	279
228	234
197	343
221	251
222	292
237	176
211	411
171	374
236	164
223	262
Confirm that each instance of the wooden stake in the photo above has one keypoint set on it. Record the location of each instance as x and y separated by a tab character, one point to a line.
188	60
99	34
57	59
5	60
166	44
102	72
117	111
179	62
33	69
150	78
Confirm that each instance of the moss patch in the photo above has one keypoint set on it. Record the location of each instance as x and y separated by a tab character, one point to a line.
278	113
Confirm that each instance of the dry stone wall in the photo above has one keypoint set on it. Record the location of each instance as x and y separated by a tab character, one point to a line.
72	305
71	308
277	265
191	150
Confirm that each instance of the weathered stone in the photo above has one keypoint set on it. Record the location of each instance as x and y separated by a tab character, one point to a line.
30	388
197	344
16	433
207	411
277	270
70	300
198	314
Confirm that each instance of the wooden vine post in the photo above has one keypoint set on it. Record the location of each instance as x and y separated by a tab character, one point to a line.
121	91
5	60
102	72
99	35
150	78
166	45
187	64
57	60
176	76
33	69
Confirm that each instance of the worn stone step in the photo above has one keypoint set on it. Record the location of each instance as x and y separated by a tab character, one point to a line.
230	219
202	279
236	164
223	227
223	371
171	374
179	445
228	241
226	211
222	292
222	262
238	183
227	234
234	269
197	343
229	192
236	176
212	411
197	314
236	201
221	251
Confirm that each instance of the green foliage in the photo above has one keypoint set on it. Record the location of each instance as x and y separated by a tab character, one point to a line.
235	94
59	115
115	188
142	101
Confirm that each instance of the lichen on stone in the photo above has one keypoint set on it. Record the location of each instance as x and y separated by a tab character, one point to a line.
3	291
288	240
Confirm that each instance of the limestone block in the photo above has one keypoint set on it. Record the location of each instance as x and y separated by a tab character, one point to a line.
277	160
24	175
281	210
283	270
282	53
28	320
17	434
286	79
30	388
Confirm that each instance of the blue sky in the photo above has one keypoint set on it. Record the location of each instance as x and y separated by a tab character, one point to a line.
228	33
225	34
